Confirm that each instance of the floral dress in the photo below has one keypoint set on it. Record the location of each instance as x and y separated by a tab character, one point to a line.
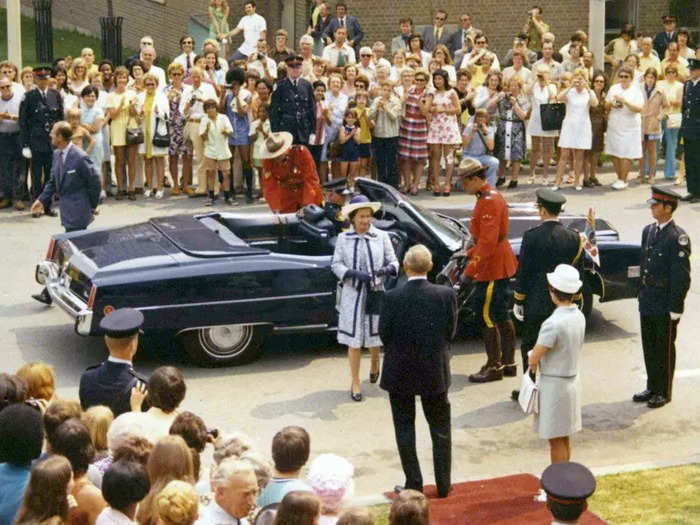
413	131
179	145
444	128
510	134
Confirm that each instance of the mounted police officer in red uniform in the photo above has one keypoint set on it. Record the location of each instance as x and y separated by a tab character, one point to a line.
491	265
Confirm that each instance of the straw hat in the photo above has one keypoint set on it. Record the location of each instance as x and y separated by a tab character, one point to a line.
277	144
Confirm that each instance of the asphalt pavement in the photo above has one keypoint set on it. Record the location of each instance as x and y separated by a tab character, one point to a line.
304	380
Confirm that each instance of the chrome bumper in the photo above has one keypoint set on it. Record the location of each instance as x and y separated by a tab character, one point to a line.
58	285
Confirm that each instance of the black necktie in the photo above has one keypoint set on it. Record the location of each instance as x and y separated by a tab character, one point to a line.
189	62
342	22
653	234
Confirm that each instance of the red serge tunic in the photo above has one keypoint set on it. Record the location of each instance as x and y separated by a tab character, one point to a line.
491	258
291	182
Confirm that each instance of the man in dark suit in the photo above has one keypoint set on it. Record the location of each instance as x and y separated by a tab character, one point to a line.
543	248
460	39
417	323
41	108
665	272
437	34
690	130
75	180
352	24
665	37
111	382
292	105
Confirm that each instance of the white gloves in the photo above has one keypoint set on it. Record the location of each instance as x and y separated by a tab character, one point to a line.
26	153
519	312
674	316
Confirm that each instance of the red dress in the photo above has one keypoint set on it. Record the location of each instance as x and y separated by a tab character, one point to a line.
291	182
491	258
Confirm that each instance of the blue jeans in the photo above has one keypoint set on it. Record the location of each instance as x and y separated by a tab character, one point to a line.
670	139
237	55
491	162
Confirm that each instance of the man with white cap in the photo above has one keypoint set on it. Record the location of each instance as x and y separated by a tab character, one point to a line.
556	354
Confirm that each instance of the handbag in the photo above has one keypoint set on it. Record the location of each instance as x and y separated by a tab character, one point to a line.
134	135
375	300
335	149
673	120
161	139
529	395
552	115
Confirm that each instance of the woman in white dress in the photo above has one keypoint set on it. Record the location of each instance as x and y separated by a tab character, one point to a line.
576	135
556	354
124	485
623	139
363	257
541	92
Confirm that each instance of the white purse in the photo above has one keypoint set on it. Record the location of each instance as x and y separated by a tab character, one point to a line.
673	121
529	395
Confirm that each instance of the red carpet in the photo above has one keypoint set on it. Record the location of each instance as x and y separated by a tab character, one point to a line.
502	501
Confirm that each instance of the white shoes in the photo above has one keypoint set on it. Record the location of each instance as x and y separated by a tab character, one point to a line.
579	188
146	193
619	185
159	194
103	194
555	188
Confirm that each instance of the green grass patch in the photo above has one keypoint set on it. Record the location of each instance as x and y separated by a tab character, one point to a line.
65	42
664	496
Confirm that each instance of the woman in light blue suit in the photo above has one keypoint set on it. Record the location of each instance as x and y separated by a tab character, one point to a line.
363	257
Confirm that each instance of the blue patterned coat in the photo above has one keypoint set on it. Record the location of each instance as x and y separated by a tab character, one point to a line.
368	253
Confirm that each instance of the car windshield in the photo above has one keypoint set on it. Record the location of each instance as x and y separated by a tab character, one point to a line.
447	234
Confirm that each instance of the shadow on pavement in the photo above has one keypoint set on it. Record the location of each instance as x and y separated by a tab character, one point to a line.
493	415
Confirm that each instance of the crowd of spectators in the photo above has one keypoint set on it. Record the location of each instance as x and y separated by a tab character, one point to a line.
394	113
60	464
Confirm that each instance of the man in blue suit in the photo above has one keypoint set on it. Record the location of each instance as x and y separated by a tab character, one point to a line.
437	34
75	180
342	19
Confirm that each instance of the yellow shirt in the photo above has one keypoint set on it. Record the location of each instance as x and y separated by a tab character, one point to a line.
147	109
120	121
363	122
478	77
650	61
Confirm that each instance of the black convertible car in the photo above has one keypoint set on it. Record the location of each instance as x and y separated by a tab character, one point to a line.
221	282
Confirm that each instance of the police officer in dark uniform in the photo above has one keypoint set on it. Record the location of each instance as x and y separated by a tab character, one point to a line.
690	130
110	383
336	196
543	248
41	108
665	273
568	485
292	105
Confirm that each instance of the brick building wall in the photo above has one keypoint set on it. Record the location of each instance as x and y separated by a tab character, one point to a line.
167	20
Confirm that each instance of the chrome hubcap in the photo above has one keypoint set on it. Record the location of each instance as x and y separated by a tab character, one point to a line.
225	341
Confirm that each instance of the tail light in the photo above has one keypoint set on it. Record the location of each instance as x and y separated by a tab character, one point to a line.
49	252
91	299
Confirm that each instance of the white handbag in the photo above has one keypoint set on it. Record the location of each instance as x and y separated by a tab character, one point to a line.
529	398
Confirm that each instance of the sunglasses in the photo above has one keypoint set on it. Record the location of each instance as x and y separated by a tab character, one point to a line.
150	85
481	41
188	43
625	76
599	81
366	56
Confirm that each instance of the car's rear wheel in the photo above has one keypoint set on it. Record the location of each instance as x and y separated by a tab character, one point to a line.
224	345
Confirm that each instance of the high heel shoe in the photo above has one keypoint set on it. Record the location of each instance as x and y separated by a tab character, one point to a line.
373	378
355	396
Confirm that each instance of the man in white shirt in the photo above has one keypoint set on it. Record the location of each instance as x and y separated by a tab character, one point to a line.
235	491
253	27
366	67
191	105
11	164
263	64
186	59
339	53
148	57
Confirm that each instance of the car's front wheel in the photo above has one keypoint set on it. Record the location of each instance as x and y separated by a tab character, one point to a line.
225	345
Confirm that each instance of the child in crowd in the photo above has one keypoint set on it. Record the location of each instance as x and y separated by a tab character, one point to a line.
365	136
349	137
237	106
215	130
81	136
260	129
318	138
